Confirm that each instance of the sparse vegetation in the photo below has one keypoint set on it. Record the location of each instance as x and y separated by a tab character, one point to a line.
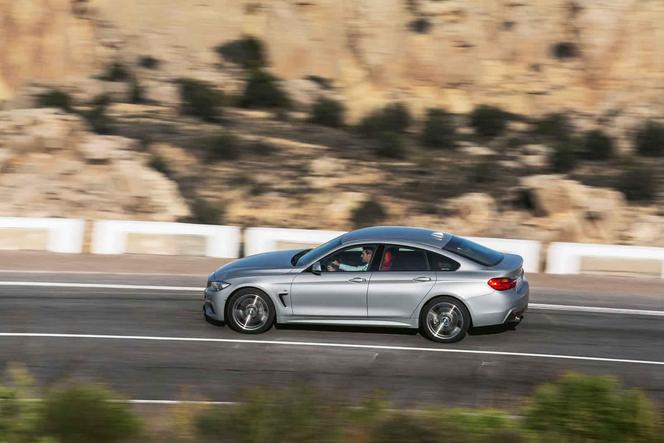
327	112
439	131
263	91
390	145
637	182
368	213
159	164
116	72
223	146
55	98
565	50
200	100
649	139
324	83
136	92
249	52
204	212
98	120
554	126
420	25
565	154
149	62
392	118
489	121
597	146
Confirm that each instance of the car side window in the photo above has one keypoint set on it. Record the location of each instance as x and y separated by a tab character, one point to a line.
440	262
356	258
403	258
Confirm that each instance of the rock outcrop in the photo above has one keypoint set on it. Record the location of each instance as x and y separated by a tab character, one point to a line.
530	57
50	165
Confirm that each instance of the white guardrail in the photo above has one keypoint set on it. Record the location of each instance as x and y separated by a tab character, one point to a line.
111	236
257	240
567	258
62	234
120	237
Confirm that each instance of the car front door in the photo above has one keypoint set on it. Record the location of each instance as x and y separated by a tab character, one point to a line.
403	279
340	290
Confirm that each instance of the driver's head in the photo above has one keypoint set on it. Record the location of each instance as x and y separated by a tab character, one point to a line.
367	253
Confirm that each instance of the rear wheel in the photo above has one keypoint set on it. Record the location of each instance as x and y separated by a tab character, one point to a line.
444	319
250	311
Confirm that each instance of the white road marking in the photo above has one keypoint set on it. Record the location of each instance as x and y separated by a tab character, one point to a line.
545	307
330	345
99	286
532	306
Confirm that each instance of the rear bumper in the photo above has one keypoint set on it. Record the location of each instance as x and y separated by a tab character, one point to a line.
500	307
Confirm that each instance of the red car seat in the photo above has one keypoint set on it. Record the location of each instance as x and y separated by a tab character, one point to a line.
387	260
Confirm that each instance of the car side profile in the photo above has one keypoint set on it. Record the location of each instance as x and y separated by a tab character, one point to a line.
392	276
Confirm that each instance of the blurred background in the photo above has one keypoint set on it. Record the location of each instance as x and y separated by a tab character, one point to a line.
505	119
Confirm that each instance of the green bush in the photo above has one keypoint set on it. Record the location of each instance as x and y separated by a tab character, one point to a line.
200	100
149	62
248	52
390	145
554	126
638	183
439	130
55	98
400	428
649	139
223	146
19	417
85	413
580	408
327	112
420	25
369	212
392	118
262	90
294	415
116	72
489	121
597	146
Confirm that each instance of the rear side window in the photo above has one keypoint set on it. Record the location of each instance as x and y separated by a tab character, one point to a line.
473	251
441	263
401	258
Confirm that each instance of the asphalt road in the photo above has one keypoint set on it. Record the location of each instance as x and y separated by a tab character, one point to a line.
132	340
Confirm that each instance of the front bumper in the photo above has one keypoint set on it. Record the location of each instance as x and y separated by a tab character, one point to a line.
214	303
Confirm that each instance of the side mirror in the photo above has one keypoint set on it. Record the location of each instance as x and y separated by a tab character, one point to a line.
316	269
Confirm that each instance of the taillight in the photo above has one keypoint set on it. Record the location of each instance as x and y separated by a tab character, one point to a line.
502	283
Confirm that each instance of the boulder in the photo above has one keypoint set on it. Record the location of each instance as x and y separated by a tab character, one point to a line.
475	210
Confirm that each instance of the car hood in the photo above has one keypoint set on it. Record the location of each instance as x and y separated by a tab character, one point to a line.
266	262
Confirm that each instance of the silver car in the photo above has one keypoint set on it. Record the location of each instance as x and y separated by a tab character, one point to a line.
440	283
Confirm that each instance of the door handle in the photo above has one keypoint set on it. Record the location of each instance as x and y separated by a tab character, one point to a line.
357	280
422	279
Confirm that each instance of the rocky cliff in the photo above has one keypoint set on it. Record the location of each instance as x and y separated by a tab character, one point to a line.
594	56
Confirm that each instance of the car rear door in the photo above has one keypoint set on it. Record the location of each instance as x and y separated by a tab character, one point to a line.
402	280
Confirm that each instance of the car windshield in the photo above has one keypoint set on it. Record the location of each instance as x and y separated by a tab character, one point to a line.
319	251
473	251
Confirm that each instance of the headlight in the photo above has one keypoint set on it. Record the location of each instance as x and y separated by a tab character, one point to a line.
218	285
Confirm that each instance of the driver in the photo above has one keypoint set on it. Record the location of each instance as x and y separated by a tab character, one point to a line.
366	255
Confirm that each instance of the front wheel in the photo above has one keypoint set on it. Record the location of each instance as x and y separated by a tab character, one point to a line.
444	319
250	311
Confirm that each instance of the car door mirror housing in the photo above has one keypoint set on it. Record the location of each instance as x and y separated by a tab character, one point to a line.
316	268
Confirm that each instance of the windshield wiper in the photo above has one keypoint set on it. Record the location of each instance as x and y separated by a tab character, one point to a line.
297	256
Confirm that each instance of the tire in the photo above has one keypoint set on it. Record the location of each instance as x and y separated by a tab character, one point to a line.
250	311
444	320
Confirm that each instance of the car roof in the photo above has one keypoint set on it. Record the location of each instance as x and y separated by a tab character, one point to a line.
386	234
